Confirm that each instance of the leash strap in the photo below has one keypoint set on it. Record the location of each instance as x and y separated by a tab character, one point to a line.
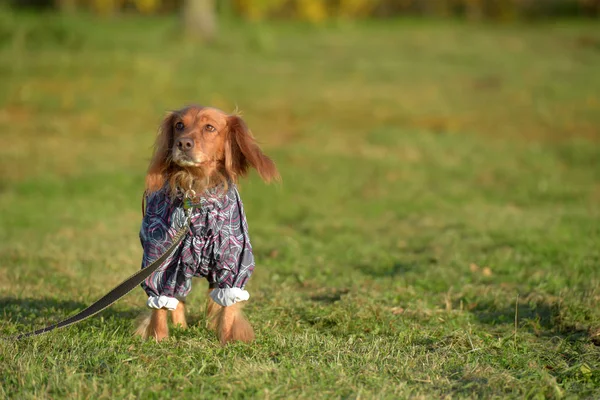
125	287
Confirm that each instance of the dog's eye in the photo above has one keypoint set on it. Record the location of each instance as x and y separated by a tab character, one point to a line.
210	128
179	126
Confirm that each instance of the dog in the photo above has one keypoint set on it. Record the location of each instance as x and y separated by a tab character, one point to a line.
203	151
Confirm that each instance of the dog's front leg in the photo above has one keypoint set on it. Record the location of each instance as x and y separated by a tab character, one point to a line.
158	328
229	322
212	313
178	315
233	325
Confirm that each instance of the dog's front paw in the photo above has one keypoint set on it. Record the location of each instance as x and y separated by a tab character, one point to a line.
153	325
233	326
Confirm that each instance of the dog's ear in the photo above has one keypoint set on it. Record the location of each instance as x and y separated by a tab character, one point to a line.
157	171
242	152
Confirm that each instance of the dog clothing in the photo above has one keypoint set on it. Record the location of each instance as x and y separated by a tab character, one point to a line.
217	247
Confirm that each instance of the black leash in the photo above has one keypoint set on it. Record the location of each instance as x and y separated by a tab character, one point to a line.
123	288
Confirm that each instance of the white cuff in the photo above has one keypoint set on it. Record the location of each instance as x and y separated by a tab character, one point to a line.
170	303
229	296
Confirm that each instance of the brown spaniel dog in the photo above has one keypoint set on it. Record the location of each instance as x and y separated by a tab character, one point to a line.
203	151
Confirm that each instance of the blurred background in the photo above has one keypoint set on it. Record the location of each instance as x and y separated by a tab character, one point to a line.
320	10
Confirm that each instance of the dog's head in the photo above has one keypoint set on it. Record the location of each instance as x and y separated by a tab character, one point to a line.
203	143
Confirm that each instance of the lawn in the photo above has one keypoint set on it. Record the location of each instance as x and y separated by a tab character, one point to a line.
436	233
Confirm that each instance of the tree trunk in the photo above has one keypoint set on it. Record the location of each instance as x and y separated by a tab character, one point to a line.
200	17
67	6
474	9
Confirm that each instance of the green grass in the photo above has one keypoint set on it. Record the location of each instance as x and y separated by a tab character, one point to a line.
437	232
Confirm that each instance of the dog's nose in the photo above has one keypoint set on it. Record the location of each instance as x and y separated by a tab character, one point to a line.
185	144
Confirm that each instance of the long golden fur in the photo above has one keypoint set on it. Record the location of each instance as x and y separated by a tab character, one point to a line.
198	148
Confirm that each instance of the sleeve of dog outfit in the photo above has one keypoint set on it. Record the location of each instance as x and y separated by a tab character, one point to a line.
162	220
234	261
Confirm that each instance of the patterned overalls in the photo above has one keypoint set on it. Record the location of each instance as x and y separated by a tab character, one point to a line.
217	247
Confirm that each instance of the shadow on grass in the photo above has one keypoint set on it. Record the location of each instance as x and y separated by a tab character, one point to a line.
393	270
329	297
36	312
541	318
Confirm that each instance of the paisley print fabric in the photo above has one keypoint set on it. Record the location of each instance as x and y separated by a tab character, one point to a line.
217	247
